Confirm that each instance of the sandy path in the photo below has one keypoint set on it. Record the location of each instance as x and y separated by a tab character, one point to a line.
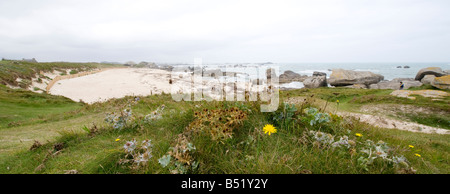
379	121
113	83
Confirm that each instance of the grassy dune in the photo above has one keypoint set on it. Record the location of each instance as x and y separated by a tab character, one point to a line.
75	138
10	70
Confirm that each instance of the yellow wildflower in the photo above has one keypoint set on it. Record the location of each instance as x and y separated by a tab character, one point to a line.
411	146
359	134
337	101
117	139
269	129
418	155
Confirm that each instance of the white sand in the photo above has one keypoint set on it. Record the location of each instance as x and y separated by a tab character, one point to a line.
114	83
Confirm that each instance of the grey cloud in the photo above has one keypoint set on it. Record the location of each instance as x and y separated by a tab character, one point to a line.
228	31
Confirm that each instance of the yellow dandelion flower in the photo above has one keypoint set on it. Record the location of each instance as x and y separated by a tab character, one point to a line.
418	155
117	139
337	101
411	146
269	129
359	134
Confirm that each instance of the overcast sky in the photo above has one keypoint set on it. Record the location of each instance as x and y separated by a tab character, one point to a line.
226	30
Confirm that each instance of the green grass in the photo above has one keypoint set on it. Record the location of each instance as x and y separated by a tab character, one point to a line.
353	99
11	70
22	107
434	120
249	151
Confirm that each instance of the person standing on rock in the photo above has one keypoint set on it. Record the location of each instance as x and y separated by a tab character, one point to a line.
402	85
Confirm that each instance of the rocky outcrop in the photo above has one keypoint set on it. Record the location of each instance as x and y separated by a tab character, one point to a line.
315	82
340	77
425	93
436	71
441	82
316	73
290	76
427	79
395	84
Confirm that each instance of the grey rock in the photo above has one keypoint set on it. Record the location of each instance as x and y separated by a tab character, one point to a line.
427	79
341	77
441	82
315	82
290	76
374	86
436	71
406	67
316	73
395	84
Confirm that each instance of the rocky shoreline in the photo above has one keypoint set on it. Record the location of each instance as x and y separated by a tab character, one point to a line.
434	76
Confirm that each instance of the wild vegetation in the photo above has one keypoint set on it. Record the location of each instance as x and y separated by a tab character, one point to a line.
41	133
10	70
155	134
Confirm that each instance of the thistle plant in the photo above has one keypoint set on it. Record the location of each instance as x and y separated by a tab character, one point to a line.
367	152
219	124
322	138
180	159
155	115
137	155
380	151
285	116
119	120
314	117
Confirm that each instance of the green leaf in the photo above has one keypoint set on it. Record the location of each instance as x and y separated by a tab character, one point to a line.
86	129
164	161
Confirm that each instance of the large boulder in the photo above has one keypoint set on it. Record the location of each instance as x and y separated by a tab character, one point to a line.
315	82
436	94
395	84
316	73
290	76
427	79
374	86
341	77
441	82
436	71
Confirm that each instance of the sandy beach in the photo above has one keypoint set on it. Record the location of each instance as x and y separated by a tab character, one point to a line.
114	83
